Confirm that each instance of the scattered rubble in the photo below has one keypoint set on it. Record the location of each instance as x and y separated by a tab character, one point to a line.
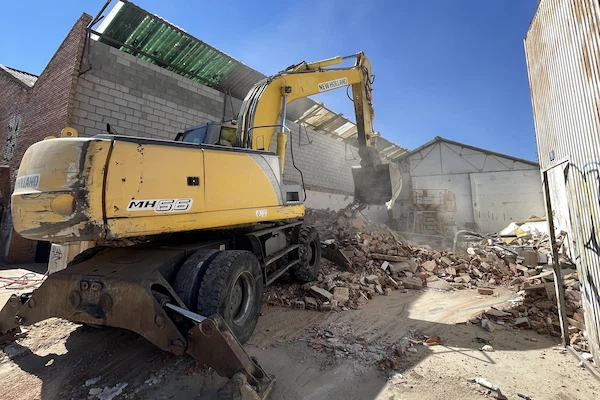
364	259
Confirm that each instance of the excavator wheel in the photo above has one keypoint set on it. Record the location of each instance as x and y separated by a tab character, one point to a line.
188	278
309	266
232	287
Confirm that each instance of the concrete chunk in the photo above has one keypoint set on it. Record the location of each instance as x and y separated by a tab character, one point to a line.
522	322
488	325
341	294
447	261
429	265
311	303
321	294
412	283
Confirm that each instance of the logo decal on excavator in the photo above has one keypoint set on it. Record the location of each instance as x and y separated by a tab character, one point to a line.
28	182
160	206
261	213
334	84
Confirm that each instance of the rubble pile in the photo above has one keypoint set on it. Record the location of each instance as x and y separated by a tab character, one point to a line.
363	259
368	259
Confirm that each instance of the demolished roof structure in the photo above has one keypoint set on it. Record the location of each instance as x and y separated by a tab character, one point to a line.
147	36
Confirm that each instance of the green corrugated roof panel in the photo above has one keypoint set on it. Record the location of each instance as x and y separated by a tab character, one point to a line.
151	35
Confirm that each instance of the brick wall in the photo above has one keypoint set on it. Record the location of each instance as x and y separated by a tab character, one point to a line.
43	110
141	99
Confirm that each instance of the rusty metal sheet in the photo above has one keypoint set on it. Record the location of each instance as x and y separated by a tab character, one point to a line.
562	49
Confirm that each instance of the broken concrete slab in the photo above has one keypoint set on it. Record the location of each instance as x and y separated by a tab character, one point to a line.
429	265
522	322
446	260
321	294
412	283
398	267
488	325
386	257
341	294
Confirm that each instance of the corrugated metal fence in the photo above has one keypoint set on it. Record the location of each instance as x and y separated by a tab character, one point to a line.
563	59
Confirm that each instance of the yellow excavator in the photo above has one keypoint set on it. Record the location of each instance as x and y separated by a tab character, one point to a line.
182	236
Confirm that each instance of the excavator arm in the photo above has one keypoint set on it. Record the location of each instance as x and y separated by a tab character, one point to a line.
266	103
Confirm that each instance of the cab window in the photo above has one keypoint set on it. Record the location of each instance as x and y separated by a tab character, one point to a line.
197	135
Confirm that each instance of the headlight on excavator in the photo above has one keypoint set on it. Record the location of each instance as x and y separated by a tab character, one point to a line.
63	204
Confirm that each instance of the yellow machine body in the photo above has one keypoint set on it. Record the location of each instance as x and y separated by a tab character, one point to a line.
111	187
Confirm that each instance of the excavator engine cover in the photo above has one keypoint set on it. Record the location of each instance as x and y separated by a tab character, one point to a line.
377	185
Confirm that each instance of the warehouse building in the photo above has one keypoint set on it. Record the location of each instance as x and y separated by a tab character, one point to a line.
146	77
450	186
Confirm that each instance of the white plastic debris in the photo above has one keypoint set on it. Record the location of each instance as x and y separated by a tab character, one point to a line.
92	381
587	356
484	382
110	393
487	348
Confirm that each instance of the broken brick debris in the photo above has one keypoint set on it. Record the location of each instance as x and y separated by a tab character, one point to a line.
341	294
364	259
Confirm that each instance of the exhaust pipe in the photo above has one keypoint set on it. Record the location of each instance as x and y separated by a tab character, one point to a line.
377	185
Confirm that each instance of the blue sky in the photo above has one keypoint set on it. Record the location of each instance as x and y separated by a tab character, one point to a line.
450	68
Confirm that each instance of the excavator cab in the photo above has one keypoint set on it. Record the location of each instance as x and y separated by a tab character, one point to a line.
221	134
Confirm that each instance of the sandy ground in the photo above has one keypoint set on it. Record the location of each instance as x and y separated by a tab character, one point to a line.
56	358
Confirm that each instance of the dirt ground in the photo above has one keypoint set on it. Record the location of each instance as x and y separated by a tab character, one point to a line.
314	356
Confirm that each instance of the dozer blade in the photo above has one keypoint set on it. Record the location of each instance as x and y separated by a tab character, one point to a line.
377	185
211	342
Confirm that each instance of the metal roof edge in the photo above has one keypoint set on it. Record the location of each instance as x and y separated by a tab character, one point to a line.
439	139
6	70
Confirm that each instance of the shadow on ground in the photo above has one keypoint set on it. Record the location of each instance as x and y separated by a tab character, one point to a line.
64	359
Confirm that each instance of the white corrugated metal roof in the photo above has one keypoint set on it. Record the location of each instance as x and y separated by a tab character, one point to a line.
25	77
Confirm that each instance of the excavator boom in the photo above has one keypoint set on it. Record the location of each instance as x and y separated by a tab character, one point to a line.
265	105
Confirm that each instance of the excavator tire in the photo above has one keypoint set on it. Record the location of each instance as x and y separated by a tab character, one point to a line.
232	287
188	278
309	266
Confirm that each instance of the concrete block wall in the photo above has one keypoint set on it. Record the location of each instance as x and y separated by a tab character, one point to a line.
138	98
